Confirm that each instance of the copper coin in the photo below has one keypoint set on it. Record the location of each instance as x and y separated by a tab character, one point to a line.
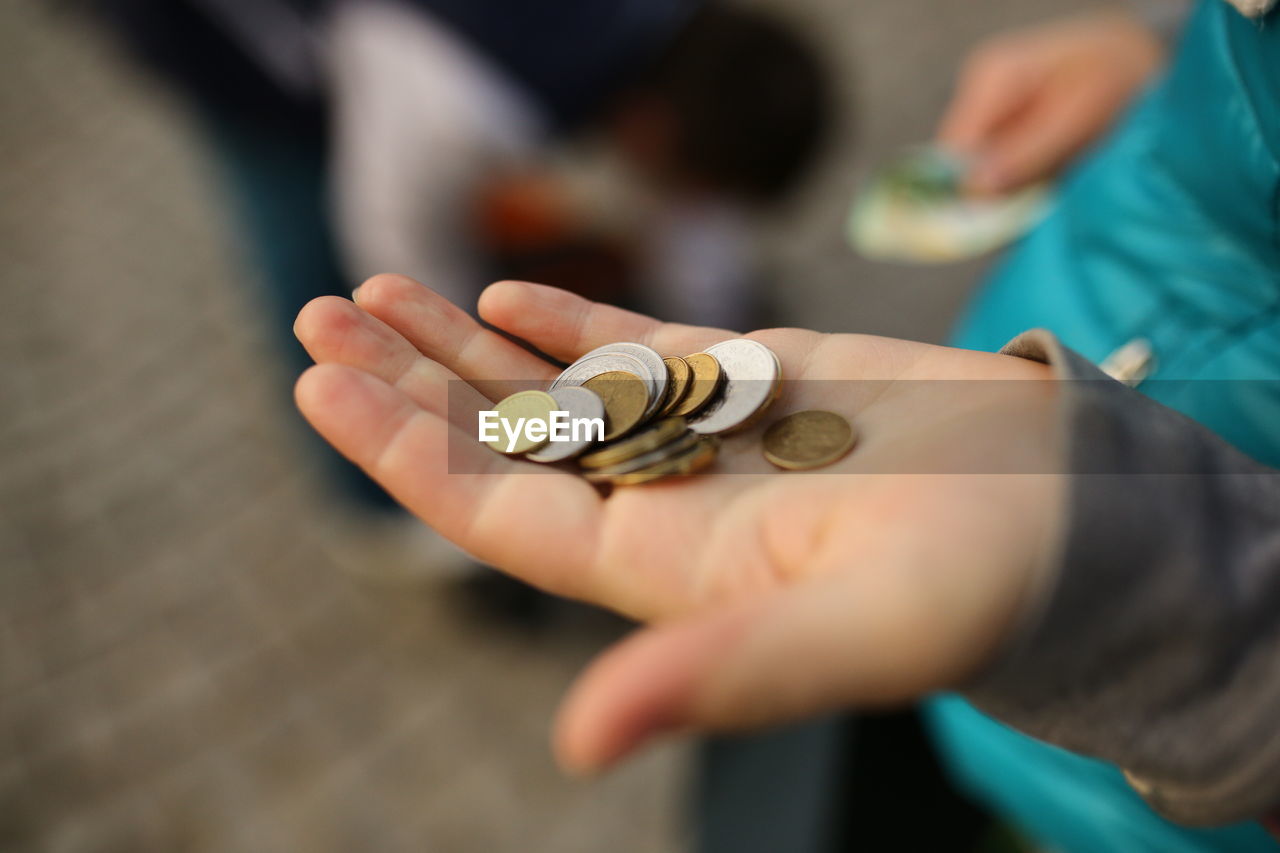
806	440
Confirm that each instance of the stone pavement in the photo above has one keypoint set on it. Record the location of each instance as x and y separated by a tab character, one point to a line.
183	666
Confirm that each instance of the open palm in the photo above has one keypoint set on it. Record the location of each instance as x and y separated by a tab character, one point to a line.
772	595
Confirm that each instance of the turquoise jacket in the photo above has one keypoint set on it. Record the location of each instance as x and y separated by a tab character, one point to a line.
1169	232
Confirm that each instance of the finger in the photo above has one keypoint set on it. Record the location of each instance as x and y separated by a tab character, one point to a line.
564	325
1055	125
994	85
538	524
445	333
641	688
798	652
334	330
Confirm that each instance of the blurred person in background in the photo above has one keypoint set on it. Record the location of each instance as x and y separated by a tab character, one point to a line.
1159	261
440	138
441	163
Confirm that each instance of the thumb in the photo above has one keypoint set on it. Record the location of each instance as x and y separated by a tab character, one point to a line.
796	652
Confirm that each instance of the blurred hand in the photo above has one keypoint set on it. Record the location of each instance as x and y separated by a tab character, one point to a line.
771	596
1028	100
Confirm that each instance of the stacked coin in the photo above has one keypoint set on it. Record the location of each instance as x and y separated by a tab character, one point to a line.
667	448
662	416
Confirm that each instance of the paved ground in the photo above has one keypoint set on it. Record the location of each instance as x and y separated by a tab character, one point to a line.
182	663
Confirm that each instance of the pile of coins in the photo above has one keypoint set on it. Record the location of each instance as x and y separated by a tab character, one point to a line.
663	415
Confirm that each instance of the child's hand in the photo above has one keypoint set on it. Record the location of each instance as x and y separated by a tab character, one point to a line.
772	595
1029	100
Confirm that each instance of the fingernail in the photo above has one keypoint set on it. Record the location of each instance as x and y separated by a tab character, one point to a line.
355	294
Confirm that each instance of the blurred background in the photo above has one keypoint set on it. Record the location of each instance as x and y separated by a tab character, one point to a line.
202	645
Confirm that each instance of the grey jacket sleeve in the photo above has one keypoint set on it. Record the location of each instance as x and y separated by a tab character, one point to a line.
1156	644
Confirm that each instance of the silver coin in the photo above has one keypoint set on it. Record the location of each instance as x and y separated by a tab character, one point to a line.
752	378
655	369
593	365
579	403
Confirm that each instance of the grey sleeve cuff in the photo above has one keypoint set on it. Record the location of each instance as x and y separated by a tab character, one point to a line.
1156	640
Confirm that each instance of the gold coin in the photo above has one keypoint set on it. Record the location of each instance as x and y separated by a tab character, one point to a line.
626	398
679	380
529	405
807	440
670	450
649	439
707	377
697	457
